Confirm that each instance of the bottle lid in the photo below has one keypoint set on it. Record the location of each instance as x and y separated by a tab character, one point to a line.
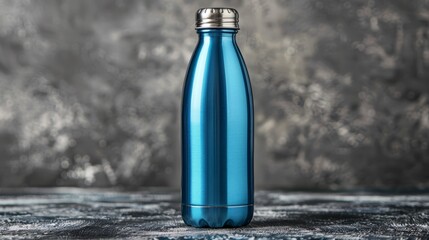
216	18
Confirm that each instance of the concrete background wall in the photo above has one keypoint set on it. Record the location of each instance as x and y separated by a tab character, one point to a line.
90	91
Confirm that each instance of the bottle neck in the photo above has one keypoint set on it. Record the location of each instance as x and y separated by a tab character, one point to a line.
223	34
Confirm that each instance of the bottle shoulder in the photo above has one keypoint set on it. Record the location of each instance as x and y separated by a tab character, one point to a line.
224	58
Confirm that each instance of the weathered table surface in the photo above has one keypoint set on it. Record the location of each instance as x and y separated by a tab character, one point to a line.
59	213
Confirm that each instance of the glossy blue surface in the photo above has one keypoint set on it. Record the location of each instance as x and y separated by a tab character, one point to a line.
217	134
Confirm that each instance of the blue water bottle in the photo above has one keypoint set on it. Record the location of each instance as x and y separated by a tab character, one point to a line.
217	127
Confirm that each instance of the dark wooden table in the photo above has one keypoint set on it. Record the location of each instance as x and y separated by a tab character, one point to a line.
59	213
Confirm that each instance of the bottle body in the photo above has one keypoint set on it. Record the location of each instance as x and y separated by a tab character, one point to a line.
217	134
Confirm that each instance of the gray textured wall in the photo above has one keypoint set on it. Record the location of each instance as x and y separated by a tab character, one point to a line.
90	91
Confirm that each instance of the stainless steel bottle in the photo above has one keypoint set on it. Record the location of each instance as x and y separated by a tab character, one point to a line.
217	127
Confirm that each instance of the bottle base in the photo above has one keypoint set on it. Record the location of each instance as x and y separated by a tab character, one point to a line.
217	216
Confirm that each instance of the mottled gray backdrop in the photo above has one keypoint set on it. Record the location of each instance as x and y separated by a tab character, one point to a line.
90	91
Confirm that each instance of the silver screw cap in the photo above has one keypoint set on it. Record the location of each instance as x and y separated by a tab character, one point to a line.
216	18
